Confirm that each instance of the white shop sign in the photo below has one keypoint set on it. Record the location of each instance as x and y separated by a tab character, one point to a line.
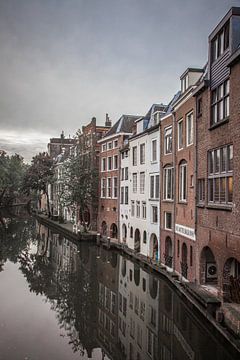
185	231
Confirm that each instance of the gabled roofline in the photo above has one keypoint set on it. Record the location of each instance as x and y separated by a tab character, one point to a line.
231	12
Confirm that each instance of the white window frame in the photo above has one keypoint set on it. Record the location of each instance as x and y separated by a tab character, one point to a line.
180	122
152	214
191	139
104	168
142	153
109	193
183	183
132	208
165	220
114	160
109	157
166	141
142	182
144	210
168	171
154	159
103	181
115	187
134	182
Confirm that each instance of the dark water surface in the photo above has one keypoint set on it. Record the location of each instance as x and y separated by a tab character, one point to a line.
60	300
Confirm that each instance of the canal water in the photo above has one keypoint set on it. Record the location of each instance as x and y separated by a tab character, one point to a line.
61	300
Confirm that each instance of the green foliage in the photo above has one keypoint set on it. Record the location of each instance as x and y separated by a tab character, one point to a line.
39	174
80	182
12	172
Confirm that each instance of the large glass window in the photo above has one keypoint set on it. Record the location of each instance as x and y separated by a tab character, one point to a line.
220	103
103	188
109	188
220	175
115	187
154	186
168	140
221	42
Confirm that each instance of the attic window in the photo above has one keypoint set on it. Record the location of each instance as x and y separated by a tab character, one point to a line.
155	118
220	43
184	83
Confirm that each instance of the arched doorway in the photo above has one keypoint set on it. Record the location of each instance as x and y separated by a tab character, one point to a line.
208	267
154	247
137	239
231	281
104	228
124	233
168	255
113	231
184	264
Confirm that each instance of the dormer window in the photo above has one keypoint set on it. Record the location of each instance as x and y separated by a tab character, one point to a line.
156	116
184	83
220	43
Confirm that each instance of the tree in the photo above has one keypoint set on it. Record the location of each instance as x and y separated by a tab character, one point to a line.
80	183
39	175
12	171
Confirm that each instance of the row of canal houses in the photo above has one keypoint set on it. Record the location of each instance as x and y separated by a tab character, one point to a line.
169	180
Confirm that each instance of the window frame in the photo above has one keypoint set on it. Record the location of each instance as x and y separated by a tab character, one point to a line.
168	140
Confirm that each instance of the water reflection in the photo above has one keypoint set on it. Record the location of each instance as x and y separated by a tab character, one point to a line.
103	300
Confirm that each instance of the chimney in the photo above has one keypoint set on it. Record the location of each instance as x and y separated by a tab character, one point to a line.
62	135
108	122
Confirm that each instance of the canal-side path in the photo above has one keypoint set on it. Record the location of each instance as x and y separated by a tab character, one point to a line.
224	318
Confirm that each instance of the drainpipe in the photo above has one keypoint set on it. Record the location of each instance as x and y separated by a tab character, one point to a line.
160	188
174	187
195	184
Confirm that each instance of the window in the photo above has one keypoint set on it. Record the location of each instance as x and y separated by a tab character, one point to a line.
154	214
156	117
133	208
168	140
154	187
220	103
122	174
191	255
144	241
138	209
142	182
134	182
104	147
109	163
115	187
122	195
126	173
134	155
168	183
180	134
168	220
109	145
115	143
184	83
142	154
201	190
199	107
220	43
189	129
126	195
144	210
154	150
109	188
220	175
183	181
115	161
104	164
103	188
191	181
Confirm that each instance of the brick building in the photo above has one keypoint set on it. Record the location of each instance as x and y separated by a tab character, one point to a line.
57	145
217	161
108	208
89	148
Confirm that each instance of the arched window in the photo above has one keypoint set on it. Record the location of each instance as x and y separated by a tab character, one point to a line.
168	182
131	232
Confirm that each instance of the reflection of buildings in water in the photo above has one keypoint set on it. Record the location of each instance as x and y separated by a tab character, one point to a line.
107	276
182	333
138	311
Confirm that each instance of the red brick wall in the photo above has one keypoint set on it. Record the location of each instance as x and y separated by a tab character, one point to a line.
218	228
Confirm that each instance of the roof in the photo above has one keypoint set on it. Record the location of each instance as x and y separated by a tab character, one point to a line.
154	108
123	125
172	102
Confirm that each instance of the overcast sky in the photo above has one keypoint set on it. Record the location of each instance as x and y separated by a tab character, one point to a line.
64	61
